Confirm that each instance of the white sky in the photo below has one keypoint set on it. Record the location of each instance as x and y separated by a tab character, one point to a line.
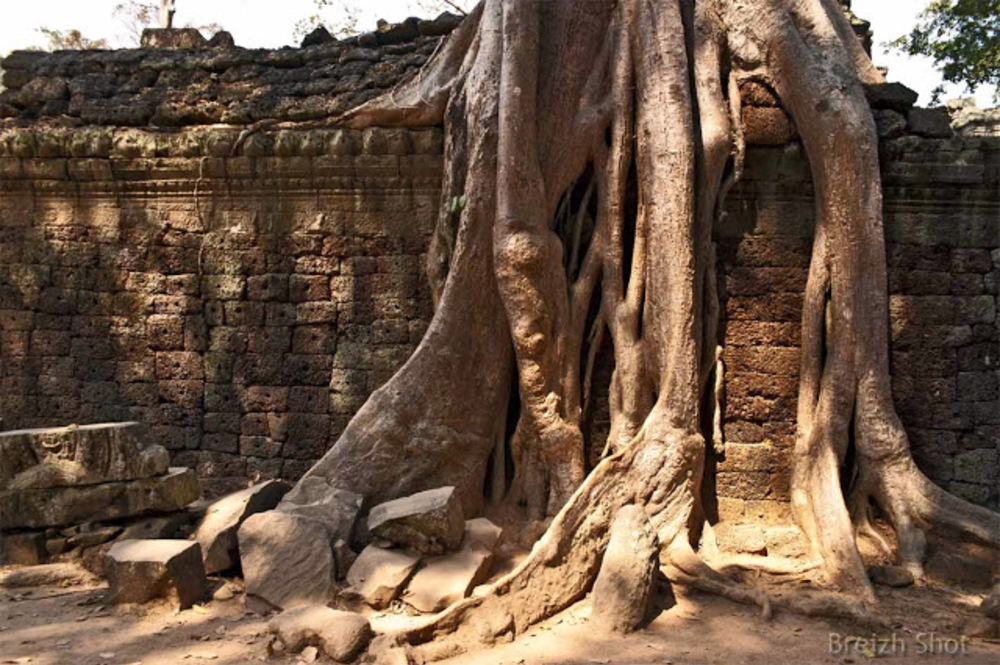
267	23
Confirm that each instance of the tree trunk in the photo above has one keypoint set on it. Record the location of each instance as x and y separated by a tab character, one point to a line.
543	101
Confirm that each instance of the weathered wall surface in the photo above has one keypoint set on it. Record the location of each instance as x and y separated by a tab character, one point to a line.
942	220
242	308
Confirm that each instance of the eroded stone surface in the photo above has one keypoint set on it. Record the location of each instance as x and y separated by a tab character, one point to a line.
35	508
217	531
78	455
341	635
429	522
287	559
379	574
447	579
140	570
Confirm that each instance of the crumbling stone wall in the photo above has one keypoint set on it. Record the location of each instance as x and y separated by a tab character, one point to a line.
242	307
241	288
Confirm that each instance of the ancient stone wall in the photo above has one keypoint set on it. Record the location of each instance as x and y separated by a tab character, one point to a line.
241	307
241	288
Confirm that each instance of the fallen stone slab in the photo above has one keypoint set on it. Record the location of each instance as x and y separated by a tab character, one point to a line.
217	531
378	575
39	508
141	570
78	455
430	522
336	508
341	635
624	585
287	559
49	574
445	580
23	549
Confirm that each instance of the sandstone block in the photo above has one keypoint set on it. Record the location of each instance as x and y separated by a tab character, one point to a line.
217	531
341	635
37	508
379	574
140	570
624	585
78	455
429	522
447	579
287	559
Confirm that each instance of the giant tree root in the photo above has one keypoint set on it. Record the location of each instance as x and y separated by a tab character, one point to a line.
586	151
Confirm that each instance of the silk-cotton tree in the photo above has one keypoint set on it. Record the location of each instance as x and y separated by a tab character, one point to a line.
588	145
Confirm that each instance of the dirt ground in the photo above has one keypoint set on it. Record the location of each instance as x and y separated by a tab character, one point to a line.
72	624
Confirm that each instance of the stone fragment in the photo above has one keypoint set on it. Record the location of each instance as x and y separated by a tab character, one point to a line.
429	522
341	635
287	559
39	508
932	123
217	531
895	96
78	455
891	576
23	549
379	575
624	584
447	579
141	570
320	35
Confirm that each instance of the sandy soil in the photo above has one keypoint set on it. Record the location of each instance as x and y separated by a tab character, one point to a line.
51	625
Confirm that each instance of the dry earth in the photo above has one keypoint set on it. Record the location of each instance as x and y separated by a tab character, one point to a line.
50	625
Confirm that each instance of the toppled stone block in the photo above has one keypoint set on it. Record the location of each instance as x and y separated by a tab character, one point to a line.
429	522
39	508
141	570
894	96
379	575
931	123
624	585
896	577
217	531
23	549
341	635
287	559
78	455
447	579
